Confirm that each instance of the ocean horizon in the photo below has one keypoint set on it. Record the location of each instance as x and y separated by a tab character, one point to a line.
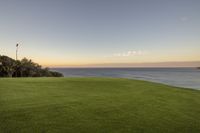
187	77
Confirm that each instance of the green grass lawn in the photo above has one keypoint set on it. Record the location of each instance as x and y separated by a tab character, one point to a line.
96	105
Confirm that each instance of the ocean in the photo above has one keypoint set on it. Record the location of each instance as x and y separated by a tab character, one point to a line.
180	77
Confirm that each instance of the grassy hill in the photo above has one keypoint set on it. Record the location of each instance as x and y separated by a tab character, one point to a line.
96	105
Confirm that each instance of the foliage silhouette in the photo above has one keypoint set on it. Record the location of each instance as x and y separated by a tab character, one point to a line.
24	68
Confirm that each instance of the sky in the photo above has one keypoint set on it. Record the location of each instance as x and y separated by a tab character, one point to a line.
62	33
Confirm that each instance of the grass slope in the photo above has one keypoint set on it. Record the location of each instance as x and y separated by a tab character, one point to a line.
96	105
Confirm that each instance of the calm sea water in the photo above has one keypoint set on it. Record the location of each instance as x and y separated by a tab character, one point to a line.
181	77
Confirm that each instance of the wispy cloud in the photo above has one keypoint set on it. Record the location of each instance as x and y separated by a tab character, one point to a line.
184	18
129	53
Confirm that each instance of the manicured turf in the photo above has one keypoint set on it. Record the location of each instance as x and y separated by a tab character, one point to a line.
96	105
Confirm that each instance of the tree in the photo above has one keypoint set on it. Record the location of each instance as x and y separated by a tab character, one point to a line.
7	66
24	68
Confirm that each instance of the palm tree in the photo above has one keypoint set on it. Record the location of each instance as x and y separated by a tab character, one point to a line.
17	45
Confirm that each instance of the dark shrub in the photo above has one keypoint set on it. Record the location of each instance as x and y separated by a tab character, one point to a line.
24	68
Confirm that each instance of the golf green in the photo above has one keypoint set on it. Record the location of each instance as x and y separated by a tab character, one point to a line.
96	105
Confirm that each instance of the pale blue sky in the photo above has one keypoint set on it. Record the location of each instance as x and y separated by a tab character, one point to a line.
78	32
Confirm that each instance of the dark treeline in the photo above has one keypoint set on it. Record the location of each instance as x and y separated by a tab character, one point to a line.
23	68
